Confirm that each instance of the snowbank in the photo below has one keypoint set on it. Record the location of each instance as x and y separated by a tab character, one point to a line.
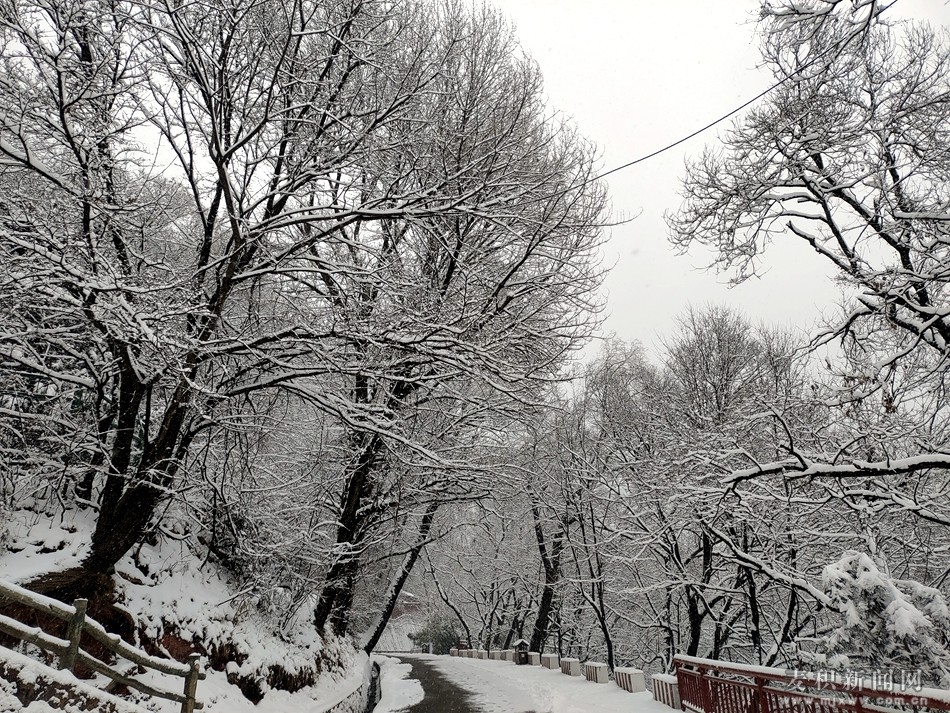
181	604
35	544
399	691
178	600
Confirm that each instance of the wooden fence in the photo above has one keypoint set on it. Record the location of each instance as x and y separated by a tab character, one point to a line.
70	654
707	686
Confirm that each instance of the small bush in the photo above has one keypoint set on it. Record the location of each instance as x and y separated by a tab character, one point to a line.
439	632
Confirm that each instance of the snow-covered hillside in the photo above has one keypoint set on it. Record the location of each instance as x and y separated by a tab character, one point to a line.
180	604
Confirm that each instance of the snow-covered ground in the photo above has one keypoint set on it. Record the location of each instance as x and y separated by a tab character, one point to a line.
502	687
399	691
167	589
32	673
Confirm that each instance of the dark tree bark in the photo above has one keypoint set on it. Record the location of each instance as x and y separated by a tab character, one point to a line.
695	613
551	564
336	598
425	526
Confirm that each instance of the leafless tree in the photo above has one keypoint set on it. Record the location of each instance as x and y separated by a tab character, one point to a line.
359	214
851	162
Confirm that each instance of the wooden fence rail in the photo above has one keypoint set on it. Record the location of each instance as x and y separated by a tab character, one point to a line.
70	653
707	686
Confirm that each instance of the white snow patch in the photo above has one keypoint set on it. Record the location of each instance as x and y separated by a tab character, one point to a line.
399	692
36	545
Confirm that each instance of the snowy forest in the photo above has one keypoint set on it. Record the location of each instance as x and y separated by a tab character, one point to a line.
297	306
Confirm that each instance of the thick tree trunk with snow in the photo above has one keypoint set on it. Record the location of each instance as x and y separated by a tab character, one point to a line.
336	598
389	604
550	553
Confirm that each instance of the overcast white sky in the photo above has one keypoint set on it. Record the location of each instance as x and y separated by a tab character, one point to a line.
637	75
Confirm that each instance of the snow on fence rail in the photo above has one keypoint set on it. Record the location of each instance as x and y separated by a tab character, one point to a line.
69	652
708	686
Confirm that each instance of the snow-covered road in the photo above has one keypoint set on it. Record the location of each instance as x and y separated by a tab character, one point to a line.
502	687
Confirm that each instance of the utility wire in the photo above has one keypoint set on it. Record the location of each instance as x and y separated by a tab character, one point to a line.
837	46
695	133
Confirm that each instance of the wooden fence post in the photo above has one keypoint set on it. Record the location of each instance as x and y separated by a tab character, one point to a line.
191	684
73	634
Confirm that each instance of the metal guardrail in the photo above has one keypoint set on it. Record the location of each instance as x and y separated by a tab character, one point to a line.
70	654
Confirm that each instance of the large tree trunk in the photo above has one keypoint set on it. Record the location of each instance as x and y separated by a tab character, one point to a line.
541	623
336	598
425	526
551	564
601	611
129	501
126	512
119	529
694	596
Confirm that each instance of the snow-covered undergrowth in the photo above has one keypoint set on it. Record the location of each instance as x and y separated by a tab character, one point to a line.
219	696
23	677
182	604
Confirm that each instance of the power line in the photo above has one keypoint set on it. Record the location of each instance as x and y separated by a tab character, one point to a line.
695	133
834	47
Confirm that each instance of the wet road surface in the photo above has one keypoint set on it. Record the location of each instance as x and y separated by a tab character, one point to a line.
441	695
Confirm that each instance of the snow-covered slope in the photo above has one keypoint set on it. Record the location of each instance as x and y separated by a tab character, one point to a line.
181	604
395	636
27	685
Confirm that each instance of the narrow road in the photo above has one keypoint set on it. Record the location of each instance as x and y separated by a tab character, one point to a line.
451	684
441	695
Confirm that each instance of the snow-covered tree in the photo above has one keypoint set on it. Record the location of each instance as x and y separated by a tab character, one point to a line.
885	622
847	156
262	218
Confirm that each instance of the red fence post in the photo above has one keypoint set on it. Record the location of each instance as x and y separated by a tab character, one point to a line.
761	695
705	691
681	685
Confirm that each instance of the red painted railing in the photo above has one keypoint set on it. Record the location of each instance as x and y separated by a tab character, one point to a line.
707	686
